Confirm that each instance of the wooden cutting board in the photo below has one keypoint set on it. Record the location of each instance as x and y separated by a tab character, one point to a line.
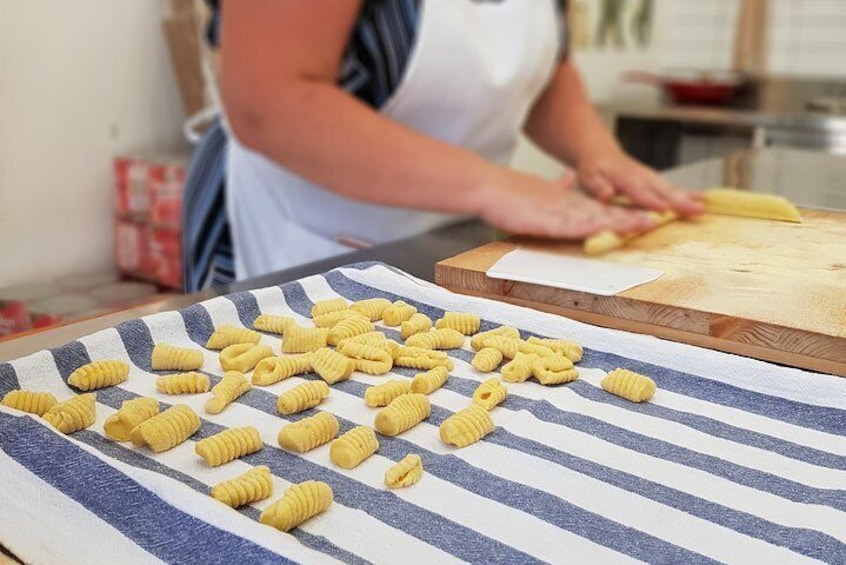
770	290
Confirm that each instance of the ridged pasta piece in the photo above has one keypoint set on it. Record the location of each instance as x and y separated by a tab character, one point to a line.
383	394
402	414
230	388
416	324
570	349
373	308
629	385
302	397
246	488
331	365
308	433
304	340
166	430
299	503
353	326
465	322
332	318
520	368
430	381
466	426
353	447
397	313
99	374
170	358
508	346
228	445
554	370
444	338
323	307
243	357
487	359
183	383
119	425
368	357
274	369
29	401
476	342
73	415
490	393
423	359
536	349
226	335
372	338
405	473
273	324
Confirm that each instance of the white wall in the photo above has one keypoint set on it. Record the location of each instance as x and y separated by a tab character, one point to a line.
79	83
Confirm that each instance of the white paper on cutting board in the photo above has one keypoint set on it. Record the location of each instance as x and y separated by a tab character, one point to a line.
572	273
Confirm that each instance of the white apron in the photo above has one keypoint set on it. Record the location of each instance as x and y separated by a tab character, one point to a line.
476	69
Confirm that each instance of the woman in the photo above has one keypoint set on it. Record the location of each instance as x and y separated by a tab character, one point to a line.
359	122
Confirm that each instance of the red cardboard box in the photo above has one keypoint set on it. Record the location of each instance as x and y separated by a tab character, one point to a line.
166	249
133	249
132	186
167	181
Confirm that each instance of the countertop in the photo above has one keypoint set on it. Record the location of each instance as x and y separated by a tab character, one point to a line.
812	180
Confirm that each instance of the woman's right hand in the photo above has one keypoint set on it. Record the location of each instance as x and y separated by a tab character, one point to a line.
527	205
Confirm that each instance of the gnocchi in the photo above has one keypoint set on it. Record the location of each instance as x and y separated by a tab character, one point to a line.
466	426
430	381
228	445
331	365
299	503
332	318
397	313
405	473
224	336
466	323
29	401
243	357
230	388
416	324
304	340
477	341
489	394
487	359
402	414
368	357
183	383
508	346
373	308
274	369
246	488
629	385
520	368
383	394
302	397
119	425
169	358
347	328
324	307
570	349
72	415
273	324
99	374
353	447
308	433
166	430
423	359
554	370
444	338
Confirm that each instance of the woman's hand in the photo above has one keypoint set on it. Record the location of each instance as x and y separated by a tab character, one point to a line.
528	205
614	173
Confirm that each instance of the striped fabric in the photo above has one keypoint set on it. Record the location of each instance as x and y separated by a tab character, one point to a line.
734	460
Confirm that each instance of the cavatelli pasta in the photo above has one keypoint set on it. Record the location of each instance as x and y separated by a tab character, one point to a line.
538	349
368	357
332	318
570	349
444	338
166	430
466	323
508	346
224	336
402	414
274	369
430	381
99	374
423	359
405	473
331	365
299	503
416	324
243	357
304	340
183	383
554	370
373	308
487	359
29	401
273	324
629	385
119	425
466	426
228	445
72	415
323	307
308	433
302	397
476	342
520	368
246	488
353	447
355	325
169	358
490	393
383	394
397	313
226	391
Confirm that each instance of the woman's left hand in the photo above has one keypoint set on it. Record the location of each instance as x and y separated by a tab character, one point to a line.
617	174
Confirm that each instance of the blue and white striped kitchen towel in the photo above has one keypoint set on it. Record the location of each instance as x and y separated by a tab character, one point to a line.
734	460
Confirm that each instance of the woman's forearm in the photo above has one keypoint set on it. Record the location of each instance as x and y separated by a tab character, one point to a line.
564	123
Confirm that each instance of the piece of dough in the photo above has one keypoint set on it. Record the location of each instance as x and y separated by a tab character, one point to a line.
273	324
397	313
520	368
183	383
246	488
506	345
119	425
226	335
490	393
607	240
230	388
487	359
629	385
430	381
304	340
274	369
423	359
373	308
466	427
464	322
243	357
299	503
368	357
728	201
570	349
402	414
331	365
99	374
29	401
554	370
353	447
329	320
349	327
405	473
302	397
308	433
73	415
530	348
166	430
383	394
416	324
444	338
477	341
169	358
324	307
228	445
